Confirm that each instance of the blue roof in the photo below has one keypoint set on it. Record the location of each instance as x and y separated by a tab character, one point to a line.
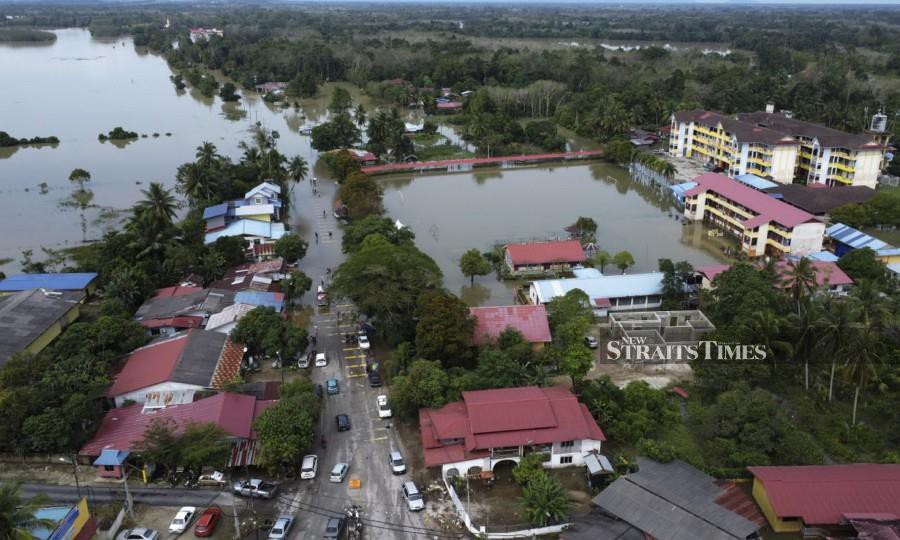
54	514
248	227
755	181
823	256
895	268
59	282
260	298
887	251
215	211
614	286
853	238
112	457
679	189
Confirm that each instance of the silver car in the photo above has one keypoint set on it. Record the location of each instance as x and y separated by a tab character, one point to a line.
281	528
414	499
339	472
139	533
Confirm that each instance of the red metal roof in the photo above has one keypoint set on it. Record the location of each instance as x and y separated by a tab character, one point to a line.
149	365
823	494
177	290
602	302
530	321
767	208
229	365
504	417
712	270
124	428
184	322
524	158
827	273
556	251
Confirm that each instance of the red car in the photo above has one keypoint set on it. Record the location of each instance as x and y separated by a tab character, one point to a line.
207	522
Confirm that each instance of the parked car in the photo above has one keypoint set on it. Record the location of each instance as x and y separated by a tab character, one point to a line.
343	422
281	528
331	386
255	488
375	379
309	467
363	340
321	359
339	472
414	499
305	360
334	527
206	523
182	519
384	410
591	342
395	459
139	533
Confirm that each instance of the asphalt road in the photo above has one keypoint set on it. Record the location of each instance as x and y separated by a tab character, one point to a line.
153	496
366	445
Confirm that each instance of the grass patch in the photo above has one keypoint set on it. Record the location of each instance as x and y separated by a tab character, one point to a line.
427	139
442	151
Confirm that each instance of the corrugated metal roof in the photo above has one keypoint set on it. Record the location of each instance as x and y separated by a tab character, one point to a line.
424	165
615	286
25	315
259	298
215	210
60	281
673	501
228	315
248	227
822	494
854	238
755	181
766	207
149	365
530	321
565	251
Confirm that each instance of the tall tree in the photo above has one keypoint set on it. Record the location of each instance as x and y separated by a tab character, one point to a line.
196	183
444	330
298	169
295	286
602	259
623	260
79	176
18	515
800	279
472	263
361	195
157	209
291	248
862	365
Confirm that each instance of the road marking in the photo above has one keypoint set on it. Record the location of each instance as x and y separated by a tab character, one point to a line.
355	376
374	439
352	348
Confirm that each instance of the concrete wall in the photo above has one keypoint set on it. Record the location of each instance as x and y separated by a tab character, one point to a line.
807	238
161	395
867	168
54	330
784	159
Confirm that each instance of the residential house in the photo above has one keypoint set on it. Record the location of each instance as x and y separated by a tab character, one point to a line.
203	34
778	147
761	224
30	320
448	106
171	371
827	497
271	87
363	157
123	428
255	276
255	217
819	200
489	427
181	308
543	257
85	283
606	294
529	320
675	501
829	276
252	230
845	239
225	320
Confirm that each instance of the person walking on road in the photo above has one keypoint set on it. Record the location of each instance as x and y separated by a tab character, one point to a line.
323	213
317	237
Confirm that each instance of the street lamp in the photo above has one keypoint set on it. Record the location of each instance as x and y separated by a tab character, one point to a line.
75	472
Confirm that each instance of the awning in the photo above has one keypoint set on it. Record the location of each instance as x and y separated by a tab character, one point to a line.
112	457
602	302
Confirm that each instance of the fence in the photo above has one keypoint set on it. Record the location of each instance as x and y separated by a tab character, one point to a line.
110	534
482	531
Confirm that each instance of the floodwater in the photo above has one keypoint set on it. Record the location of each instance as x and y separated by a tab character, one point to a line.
452	213
79	87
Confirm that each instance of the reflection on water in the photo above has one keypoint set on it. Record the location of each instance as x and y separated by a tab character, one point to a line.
453	213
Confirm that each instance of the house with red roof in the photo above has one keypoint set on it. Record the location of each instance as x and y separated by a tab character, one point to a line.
761	224
174	309
827	496
123	429
530	321
829	276
489	427
552	256
172	370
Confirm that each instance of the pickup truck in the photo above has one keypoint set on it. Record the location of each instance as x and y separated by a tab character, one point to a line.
255	488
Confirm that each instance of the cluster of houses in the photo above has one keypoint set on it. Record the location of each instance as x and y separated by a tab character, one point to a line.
204	34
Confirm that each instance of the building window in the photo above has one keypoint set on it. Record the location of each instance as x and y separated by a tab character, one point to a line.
109	468
565	460
567	444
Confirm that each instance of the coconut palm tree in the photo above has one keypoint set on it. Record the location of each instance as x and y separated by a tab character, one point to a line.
157	209
835	324
767	329
800	279
17	516
359	115
804	326
207	156
298	169
861	366
195	183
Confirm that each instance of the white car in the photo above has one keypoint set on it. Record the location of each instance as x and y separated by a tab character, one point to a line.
182	519
384	410
281	528
309	467
363	341
140	533
321	360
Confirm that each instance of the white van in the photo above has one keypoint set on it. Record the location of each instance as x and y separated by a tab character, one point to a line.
309	467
